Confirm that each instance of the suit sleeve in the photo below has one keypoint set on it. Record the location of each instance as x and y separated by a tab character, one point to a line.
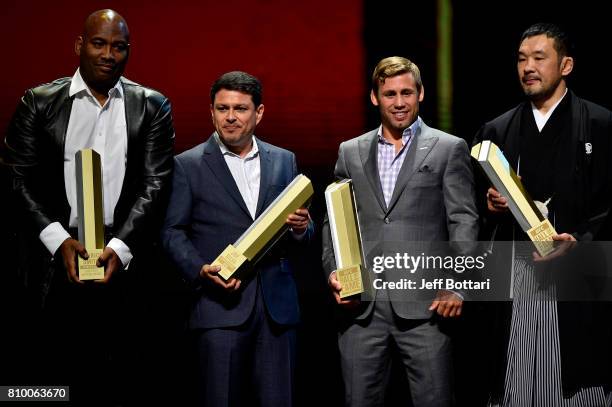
329	262
294	167
176	227
22	151
157	170
309	233
458	188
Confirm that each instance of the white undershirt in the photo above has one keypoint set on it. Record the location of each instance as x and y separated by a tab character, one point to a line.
103	129
541	118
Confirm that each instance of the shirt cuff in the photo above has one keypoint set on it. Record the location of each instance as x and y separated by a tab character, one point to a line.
458	294
124	253
53	236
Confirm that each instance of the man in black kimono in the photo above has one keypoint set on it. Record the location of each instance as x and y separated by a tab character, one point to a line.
551	352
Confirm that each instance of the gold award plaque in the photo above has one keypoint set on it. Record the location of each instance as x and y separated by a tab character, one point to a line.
266	229
346	237
90	212
523	208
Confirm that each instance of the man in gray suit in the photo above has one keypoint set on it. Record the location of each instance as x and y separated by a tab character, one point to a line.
412	183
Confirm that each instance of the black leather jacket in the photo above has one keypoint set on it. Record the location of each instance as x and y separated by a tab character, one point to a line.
35	154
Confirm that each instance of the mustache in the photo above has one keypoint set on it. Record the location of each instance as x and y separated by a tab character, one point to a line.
531	77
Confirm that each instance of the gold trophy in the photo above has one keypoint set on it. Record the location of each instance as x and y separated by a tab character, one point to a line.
523	208
346	237
265	230
90	209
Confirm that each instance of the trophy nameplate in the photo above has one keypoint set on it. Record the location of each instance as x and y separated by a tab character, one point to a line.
541	236
90	212
229	259
351	281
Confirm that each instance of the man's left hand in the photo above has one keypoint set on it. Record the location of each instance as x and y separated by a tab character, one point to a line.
298	220
447	304
111	263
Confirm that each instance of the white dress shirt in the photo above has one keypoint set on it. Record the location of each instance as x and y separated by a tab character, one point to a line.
389	162
246	173
103	129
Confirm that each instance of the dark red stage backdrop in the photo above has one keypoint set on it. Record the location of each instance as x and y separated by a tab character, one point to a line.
308	54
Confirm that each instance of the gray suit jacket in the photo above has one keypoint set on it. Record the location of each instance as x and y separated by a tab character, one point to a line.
433	201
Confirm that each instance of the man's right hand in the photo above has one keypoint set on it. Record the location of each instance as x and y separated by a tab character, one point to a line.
211	273
69	249
496	203
336	288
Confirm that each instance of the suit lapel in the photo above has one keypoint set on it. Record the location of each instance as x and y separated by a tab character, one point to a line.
266	170
420	148
135	105
578	133
57	129
368	152
568	178
215	161
512	136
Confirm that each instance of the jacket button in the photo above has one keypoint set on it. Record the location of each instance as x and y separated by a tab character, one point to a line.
387	220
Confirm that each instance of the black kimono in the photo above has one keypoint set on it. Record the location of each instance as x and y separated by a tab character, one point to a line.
570	163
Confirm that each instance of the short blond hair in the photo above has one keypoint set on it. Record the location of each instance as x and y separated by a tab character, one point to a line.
394	66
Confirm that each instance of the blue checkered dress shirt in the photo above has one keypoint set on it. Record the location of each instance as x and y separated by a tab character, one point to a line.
390	163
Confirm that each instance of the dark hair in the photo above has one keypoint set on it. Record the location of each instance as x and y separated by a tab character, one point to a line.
562	42
240	81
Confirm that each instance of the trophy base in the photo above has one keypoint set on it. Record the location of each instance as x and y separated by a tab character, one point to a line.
351	281
88	269
541	236
230	261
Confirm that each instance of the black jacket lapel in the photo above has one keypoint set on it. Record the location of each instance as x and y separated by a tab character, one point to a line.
58	124
215	161
135	106
135	110
266	170
57	128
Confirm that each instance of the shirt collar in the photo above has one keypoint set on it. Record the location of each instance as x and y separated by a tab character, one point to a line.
224	150
78	85
545	117
407	133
